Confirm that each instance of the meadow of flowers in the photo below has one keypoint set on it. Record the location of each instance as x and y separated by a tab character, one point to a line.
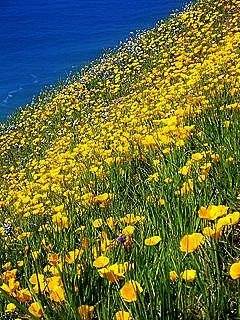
120	188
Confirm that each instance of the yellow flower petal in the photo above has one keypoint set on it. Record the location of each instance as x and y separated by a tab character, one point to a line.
129	292
57	294
85	312
97	223
212	212
173	275
213	233
229	220
35	309
111	274
101	262
122	315
235	270
190	242
10	308
128	231
36	278
189	275
152	241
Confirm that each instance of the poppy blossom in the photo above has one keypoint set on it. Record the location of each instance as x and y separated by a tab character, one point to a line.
173	275
152	241
85	312
189	275
122	315
235	270
212	212
129	292
190	242
101	262
35	309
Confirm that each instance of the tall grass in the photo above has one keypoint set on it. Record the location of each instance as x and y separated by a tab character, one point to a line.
120	189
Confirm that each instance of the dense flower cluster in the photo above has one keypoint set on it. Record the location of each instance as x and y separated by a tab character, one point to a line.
119	189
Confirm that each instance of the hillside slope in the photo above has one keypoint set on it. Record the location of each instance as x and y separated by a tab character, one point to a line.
120	189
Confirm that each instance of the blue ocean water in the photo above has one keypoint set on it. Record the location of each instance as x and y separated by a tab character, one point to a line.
42	41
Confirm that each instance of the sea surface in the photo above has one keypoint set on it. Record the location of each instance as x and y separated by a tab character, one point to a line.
43	41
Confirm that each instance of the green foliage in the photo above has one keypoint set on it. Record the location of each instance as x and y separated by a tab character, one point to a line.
127	176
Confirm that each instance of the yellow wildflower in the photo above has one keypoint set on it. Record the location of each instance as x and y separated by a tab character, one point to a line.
235	270
101	262
122	315
191	242
11	307
213	233
229	220
173	275
97	223
189	275
129	292
36	310
127	231
152	241
212	212
85	312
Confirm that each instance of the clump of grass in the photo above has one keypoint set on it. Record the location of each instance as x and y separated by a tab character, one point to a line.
120	189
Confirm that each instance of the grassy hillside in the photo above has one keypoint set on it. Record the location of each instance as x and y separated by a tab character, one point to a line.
120	189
